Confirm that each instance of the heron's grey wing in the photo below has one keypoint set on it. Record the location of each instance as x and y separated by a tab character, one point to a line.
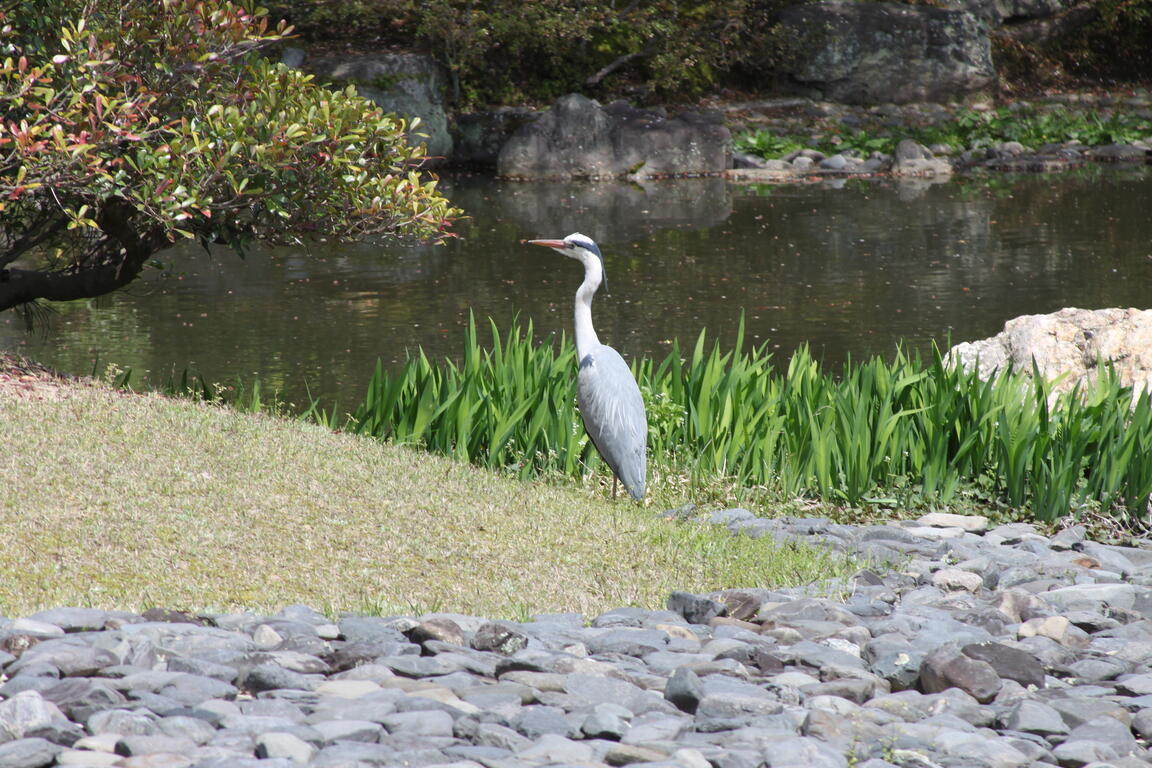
613	413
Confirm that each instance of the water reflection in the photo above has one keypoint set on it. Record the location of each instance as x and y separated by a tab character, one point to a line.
848	270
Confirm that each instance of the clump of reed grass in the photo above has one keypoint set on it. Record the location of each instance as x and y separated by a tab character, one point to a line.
926	429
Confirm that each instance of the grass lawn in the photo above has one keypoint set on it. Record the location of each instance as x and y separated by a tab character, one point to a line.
135	501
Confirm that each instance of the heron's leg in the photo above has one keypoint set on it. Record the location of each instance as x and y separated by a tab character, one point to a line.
613	487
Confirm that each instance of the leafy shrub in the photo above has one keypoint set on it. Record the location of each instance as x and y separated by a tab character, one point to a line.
1117	45
503	51
971	128
130	125
766	143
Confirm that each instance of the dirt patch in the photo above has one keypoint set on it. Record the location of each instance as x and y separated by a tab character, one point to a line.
20	377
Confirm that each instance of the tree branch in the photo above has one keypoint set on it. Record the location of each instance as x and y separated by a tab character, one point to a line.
612	67
49	229
125	252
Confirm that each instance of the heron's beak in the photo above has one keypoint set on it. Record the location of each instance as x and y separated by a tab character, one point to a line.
549	243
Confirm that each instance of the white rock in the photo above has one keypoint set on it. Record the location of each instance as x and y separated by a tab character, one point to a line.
346	689
101	742
288	745
928	532
954	579
267	638
970	523
87	759
1068	343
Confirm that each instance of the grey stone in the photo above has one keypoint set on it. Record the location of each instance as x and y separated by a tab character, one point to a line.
551	748
332	731
656	727
696	609
894	658
26	711
1135	685
948	667
131	746
78	698
606	690
834	163
1142	723
194	689
350	754
1074	754
284	745
1035	717
885	52
194	729
223	672
419	666
68	655
803	752
422	723
1008	662
534	722
628	641
370	630
684	690
28	753
913	159
268	677
498	736
1095	670
60	732
72	619
1107	730
253	724
579	138
605	725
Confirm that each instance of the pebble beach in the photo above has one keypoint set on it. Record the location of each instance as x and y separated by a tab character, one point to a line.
960	644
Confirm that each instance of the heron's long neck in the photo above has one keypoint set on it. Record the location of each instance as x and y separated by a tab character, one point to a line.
586	338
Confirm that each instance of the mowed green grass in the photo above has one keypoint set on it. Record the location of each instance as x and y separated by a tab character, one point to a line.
136	501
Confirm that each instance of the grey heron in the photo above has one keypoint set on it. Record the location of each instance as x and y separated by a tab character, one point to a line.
610	402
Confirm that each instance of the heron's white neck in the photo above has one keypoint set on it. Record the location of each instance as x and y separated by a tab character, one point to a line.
586	339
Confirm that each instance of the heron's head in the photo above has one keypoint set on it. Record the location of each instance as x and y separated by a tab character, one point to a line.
579	247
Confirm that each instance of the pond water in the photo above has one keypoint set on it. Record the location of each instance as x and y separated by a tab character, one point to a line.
849	268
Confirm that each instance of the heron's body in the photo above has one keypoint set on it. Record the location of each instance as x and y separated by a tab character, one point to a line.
610	402
613	414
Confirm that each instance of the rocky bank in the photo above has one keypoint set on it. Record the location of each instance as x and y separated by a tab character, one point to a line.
961	644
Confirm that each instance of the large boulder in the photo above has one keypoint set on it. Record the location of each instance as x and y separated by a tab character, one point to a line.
579	138
1069	343
863	53
408	84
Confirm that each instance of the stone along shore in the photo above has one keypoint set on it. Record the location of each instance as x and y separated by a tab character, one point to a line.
979	647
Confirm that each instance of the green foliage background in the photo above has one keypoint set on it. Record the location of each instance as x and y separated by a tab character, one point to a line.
507	51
